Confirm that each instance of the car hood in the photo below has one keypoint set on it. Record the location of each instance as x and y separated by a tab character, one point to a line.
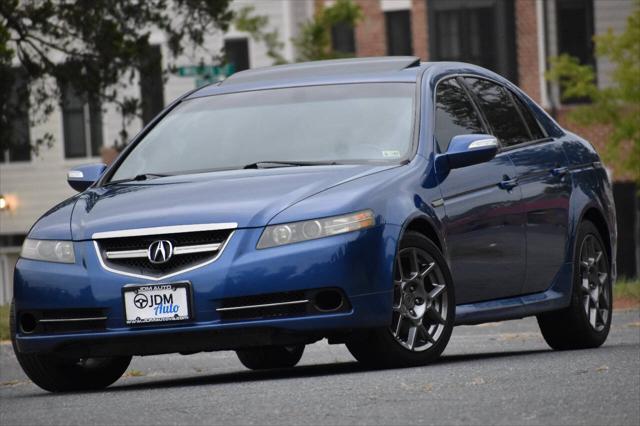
249	198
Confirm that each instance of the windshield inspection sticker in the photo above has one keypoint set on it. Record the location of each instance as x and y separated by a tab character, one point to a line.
391	154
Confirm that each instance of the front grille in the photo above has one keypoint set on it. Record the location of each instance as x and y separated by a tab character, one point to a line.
143	266
190	249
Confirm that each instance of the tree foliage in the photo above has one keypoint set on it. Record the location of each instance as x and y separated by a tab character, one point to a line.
617	105
256	25
314	41
94	46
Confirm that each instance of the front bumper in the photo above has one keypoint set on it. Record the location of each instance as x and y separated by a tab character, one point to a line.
360	264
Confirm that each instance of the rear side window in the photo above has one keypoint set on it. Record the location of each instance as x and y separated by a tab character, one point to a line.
501	113
532	123
455	114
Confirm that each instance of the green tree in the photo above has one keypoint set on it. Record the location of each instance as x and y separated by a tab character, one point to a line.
256	25
617	105
314	41
94	46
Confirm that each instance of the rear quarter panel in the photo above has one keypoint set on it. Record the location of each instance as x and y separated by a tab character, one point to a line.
591	189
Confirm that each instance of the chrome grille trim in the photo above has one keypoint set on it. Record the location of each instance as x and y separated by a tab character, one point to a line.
131	254
48	320
126	254
202	248
264	305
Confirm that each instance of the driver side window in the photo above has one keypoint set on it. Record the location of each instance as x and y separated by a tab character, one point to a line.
455	114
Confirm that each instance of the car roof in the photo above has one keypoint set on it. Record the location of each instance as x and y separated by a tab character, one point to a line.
406	69
335	71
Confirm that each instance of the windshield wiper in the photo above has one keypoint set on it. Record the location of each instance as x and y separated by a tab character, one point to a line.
272	164
142	176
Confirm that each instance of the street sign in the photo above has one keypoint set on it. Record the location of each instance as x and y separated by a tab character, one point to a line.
206	74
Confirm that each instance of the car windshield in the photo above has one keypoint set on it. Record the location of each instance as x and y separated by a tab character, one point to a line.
334	124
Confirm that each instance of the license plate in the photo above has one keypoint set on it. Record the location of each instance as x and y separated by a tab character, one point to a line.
151	303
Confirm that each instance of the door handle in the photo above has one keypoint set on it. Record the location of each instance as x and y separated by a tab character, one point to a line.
559	171
508	184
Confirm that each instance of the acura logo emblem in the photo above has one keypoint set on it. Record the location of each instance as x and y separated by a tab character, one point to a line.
160	251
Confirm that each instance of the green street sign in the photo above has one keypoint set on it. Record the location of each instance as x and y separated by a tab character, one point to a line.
206	74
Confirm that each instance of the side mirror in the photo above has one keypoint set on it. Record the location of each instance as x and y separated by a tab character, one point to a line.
82	177
467	150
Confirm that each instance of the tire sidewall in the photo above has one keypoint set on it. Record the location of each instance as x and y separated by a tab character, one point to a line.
399	352
588	228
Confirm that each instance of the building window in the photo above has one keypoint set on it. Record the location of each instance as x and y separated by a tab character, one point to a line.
82	124
574	23
237	53
575	29
480	32
398	25
151	84
19	146
343	40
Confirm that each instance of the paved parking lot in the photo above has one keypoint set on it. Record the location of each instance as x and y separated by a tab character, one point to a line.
499	373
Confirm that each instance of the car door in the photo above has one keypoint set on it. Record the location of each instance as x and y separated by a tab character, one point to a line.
484	229
541	174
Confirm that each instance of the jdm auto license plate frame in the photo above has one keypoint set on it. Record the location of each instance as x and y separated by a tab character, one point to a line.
135	288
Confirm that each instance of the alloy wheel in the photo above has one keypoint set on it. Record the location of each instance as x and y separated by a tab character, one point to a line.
419	300
594	276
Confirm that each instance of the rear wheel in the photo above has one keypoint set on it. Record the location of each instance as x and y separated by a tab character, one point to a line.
586	322
268	357
423	310
55	373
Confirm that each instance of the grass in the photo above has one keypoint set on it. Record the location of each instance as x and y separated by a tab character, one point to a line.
625	290
4	322
628	290
133	373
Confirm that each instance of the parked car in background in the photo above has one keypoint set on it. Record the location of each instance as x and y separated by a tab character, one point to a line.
375	202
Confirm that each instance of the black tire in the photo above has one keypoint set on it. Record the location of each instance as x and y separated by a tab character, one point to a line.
54	373
267	357
379	348
571	328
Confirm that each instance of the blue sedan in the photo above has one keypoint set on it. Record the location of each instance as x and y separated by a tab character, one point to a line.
374	202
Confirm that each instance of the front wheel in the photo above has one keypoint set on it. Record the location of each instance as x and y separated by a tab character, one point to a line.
586	322
423	310
55	373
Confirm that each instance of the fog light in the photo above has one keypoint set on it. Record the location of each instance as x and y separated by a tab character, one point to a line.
28	323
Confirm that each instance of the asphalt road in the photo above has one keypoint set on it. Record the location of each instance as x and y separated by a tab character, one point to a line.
500	373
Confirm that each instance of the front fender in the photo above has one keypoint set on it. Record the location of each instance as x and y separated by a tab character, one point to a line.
398	197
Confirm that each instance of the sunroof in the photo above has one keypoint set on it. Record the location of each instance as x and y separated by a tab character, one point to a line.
324	68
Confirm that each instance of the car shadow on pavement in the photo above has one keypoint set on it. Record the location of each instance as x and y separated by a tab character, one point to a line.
305	371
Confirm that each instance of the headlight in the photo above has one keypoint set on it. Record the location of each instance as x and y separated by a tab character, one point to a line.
48	250
295	232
